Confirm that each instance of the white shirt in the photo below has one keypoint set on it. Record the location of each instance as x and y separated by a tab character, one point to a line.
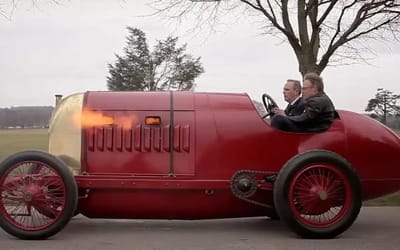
295	100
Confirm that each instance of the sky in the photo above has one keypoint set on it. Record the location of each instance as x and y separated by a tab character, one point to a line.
65	48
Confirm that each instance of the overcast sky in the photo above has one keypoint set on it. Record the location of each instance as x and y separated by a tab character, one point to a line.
65	48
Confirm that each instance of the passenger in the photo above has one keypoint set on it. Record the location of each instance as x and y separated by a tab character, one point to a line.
319	110
291	93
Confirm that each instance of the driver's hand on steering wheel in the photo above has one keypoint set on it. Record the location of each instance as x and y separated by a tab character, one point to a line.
278	111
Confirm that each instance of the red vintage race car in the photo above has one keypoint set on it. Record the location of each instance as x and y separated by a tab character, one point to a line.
184	155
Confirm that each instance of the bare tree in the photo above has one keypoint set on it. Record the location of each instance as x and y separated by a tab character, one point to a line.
320	32
7	7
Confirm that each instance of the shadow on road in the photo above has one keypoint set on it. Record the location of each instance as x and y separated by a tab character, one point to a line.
85	226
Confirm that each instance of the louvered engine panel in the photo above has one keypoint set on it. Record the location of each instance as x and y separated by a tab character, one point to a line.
141	148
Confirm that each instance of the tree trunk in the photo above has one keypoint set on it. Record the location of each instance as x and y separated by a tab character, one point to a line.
305	68
307	60
307	64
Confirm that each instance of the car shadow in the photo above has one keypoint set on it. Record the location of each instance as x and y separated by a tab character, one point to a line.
81	225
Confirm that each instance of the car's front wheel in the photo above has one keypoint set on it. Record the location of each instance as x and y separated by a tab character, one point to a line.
38	195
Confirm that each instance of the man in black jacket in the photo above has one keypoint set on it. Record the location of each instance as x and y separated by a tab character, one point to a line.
292	95
319	110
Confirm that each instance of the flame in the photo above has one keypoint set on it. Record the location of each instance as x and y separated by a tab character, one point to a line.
125	121
89	118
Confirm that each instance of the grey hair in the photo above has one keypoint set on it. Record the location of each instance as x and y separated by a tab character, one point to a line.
315	80
296	85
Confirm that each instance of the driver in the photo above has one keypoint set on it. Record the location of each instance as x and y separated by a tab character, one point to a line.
291	94
319	110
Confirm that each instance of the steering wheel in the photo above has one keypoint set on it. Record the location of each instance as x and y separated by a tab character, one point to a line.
269	104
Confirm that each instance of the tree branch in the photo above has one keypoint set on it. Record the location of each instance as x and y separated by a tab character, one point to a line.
362	15
287	29
333	46
271	9
302	23
373	28
321	25
327	11
293	40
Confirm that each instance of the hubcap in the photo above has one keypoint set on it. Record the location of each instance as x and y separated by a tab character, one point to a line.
28	197
32	191
323	195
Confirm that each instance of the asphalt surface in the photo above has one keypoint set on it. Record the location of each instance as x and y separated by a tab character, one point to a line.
375	228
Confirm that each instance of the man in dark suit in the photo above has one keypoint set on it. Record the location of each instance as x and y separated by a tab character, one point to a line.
291	93
319	110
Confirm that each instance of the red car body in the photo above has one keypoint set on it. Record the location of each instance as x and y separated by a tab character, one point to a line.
187	164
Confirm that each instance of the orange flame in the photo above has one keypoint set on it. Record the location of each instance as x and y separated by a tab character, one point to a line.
126	122
88	118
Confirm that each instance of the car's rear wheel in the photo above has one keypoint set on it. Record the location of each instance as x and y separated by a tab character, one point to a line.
318	194
38	195
272	214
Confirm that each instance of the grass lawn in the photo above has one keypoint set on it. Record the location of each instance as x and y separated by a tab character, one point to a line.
15	140
388	200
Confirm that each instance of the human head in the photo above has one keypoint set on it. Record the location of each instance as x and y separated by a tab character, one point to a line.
312	85
291	90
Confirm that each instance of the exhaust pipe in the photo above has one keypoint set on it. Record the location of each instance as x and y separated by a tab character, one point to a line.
58	99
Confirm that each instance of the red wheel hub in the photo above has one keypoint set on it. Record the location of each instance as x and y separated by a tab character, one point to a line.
315	201
31	193
32	200
319	195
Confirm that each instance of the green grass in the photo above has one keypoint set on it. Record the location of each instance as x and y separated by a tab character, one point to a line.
388	200
15	140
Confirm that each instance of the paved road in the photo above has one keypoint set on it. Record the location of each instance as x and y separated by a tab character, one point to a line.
375	228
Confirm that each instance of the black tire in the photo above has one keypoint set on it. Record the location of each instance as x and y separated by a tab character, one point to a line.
70	193
272	214
294	187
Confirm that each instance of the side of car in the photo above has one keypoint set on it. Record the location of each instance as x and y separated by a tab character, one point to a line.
174	155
